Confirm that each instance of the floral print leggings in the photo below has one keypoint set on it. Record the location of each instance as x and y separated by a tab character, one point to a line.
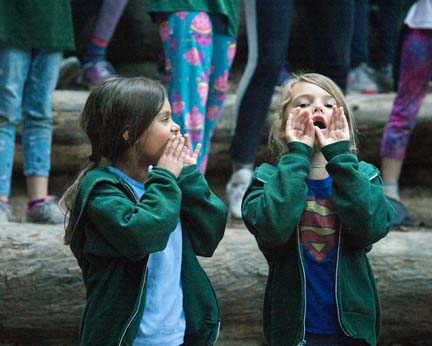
198	57
415	74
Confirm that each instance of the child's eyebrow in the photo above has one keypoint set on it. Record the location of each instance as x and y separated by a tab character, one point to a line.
310	96
164	113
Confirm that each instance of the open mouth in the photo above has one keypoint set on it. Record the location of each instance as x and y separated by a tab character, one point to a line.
319	121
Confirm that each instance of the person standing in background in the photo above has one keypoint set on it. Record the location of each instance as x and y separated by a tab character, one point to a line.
93	67
329	26
414	76
199	42
33	34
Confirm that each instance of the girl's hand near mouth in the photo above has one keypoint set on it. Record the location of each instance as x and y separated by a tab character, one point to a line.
336	131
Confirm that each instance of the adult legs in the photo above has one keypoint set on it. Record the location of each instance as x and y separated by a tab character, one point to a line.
15	65
223	53
37	134
389	27
108	18
330	31
187	40
359	42
389	13
268	28
415	73
37	121
96	67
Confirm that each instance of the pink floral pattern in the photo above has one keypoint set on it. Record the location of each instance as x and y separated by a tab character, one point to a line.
193	57
203	92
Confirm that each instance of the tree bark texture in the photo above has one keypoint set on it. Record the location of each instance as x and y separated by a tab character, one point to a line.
71	148
42	294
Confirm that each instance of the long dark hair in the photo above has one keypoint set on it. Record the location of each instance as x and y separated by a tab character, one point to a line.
113	107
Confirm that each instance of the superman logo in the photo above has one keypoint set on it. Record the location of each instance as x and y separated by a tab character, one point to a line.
318	228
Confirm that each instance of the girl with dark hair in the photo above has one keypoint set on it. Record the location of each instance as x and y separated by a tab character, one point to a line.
139	213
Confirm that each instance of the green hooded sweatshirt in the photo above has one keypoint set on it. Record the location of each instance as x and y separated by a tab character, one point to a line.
272	208
114	235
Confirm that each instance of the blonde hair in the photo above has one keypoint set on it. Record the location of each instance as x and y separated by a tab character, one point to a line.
277	143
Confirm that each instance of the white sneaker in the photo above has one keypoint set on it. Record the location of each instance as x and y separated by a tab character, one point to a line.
235	190
360	80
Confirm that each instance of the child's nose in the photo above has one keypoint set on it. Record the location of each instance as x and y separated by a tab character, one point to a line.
175	127
318	108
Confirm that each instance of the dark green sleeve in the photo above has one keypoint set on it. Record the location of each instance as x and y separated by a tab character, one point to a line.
203	214
358	196
136	229
276	198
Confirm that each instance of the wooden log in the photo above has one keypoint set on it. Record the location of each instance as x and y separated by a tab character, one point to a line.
70	147
42	293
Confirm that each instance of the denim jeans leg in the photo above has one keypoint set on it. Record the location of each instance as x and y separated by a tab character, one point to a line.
14	66
37	114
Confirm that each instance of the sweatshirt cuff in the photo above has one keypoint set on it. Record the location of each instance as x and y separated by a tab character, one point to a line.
163	172
331	150
188	170
300	148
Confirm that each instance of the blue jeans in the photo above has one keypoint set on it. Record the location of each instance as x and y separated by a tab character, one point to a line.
27	81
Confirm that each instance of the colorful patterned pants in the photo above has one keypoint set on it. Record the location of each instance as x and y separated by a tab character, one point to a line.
198	55
415	74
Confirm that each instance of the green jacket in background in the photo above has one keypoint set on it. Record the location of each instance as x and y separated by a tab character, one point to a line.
272	208
113	236
229	8
37	24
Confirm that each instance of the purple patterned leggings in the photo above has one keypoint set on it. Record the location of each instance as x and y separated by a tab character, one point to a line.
415	74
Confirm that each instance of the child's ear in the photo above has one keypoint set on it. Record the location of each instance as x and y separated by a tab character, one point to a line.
126	136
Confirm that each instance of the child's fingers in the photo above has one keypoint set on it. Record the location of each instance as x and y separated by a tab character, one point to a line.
289	122
344	124
197	150
334	119
319	135
310	128
179	148
187	142
343	119
169	148
183	153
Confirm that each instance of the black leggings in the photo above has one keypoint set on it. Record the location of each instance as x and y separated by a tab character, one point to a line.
329	28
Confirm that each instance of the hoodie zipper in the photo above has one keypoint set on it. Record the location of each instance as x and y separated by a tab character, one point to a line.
303	275
131	318
336	282
143	282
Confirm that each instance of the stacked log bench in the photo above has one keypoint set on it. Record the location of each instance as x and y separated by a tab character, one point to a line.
42	295
70	147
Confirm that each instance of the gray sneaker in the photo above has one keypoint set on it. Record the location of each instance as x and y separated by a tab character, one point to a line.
46	212
69	70
360	80
235	190
5	212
